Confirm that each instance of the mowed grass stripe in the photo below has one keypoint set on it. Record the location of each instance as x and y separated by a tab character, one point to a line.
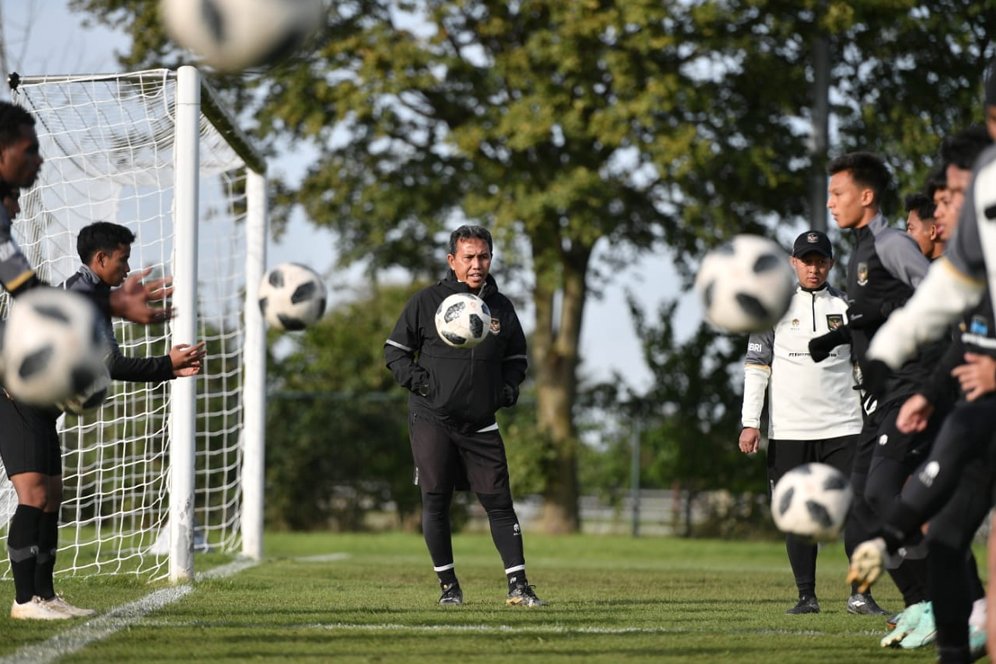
611	599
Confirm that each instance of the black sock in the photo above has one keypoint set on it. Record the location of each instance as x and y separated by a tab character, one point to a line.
505	532
447	576
48	542
911	579
22	549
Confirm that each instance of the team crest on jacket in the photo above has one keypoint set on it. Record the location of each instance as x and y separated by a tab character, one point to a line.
835	321
862	274
495	327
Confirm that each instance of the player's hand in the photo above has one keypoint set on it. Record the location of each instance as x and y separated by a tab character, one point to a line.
977	376
132	300
186	359
509	395
867	562
914	414
750	440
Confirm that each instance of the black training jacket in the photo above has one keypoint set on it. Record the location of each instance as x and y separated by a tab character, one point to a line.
884	268
458	387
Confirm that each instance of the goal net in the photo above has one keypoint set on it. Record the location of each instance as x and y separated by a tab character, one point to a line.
156	473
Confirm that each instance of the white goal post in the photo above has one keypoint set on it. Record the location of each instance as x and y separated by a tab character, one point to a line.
161	470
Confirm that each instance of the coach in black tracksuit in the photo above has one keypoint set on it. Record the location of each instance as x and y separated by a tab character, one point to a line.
883	270
455	393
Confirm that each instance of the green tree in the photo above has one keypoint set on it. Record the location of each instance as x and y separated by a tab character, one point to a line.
567	126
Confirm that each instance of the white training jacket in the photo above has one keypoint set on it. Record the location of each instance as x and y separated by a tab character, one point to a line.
806	400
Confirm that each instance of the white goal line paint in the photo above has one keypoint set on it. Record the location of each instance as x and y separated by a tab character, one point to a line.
113	621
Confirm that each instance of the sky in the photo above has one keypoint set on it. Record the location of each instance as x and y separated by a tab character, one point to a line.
44	37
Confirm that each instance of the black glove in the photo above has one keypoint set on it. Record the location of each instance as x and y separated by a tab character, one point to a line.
874	376
862	315
820	347
509	395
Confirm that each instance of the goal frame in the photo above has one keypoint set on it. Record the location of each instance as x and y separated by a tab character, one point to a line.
194	98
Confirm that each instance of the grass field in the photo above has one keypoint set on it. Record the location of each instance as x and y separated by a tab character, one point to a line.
371	598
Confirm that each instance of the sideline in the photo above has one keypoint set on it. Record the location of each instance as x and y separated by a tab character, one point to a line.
122	617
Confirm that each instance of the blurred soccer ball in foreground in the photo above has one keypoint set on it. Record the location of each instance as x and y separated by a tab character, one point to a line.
55	350
231	35
745	285
292	296
463	320
811	500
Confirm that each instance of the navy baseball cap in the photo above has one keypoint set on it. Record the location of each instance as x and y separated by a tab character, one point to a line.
812	241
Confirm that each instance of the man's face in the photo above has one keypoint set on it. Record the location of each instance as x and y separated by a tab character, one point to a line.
991	121
113	268
958	180
923	232
21	160
471	262
847	201
812	269
942	200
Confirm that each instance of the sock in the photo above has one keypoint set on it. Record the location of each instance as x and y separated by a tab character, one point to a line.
22	549
516	577
446	576
48	542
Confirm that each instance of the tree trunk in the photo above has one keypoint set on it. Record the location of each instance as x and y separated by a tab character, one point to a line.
555	341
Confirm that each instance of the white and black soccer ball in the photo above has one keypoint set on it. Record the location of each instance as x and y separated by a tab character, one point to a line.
232	35
91	396
55	350
292	296
811	500
746	285
463	320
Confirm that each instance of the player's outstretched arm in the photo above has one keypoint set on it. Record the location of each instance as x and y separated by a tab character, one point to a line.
186	359
132	301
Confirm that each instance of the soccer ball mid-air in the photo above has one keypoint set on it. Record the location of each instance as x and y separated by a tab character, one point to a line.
232	35
463	320
745	285
812	501
55	349
292	296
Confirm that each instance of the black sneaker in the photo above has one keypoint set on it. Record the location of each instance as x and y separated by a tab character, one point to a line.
863	604
451	594
522	595
805	605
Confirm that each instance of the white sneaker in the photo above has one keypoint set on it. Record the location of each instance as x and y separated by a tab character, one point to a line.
36	609
62	605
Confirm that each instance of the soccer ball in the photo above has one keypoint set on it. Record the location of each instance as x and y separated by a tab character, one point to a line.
746	285
91	396
811	500
55	350
463	320
291	296
232	35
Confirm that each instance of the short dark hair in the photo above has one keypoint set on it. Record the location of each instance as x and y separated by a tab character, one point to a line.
920	203
962	148
101	236
937	179
867	169
12	118
466	232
